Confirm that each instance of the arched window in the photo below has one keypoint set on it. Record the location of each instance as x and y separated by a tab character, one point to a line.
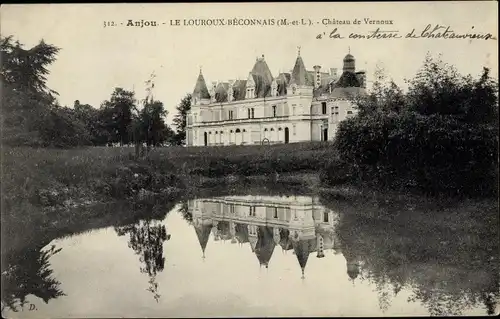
238	130
272	129
265	130
279	129
244	130
231	131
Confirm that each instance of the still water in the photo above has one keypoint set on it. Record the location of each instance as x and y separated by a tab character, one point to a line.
258	256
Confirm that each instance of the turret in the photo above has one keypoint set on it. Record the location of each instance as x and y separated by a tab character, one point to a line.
200	93
299	76
349	63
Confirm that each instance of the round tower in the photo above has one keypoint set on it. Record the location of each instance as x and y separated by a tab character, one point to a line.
349	63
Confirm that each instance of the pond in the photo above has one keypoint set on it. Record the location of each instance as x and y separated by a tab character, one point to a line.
258	255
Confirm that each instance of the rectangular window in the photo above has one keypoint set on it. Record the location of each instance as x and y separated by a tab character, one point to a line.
253	113
323	107
230	115
325	217
249	115
349	112
275	212
274	110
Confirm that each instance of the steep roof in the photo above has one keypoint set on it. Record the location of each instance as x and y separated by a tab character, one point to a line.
221	92
241	233
262	77
223	227
302	250
300	76
200	89
283	80
203	233
285	241
265	245
239	90
347	79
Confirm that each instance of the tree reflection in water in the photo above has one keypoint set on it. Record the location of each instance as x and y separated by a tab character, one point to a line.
186	214
28	273
146	239
449	263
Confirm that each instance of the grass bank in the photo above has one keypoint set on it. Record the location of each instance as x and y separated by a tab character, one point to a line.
45	188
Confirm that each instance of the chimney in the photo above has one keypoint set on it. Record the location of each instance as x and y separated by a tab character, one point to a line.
317	76
230	91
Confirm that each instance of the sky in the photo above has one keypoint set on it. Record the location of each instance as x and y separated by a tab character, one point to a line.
95	59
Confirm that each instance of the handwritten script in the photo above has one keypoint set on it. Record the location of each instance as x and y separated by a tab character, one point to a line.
429	32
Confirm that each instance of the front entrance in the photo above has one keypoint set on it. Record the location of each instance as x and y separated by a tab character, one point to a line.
287	135
206	138
325	134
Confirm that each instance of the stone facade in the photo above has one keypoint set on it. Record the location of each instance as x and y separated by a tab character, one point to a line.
302	105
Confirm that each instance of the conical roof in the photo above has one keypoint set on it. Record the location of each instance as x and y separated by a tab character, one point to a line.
203	233
299	74
265	245
302	250
200	90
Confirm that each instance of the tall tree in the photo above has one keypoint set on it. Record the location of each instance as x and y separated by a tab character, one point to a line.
118	112
150	126
30	113
27	69
180	119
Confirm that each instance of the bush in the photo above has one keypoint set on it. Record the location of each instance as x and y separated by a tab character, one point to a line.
440	139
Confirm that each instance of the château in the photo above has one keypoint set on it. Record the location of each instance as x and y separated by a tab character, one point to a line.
296	106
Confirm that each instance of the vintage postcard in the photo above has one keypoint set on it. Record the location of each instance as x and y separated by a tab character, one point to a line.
249	159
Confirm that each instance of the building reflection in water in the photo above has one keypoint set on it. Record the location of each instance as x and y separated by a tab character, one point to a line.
296	223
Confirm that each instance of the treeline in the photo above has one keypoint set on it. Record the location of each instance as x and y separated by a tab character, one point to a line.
32	116
439	137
